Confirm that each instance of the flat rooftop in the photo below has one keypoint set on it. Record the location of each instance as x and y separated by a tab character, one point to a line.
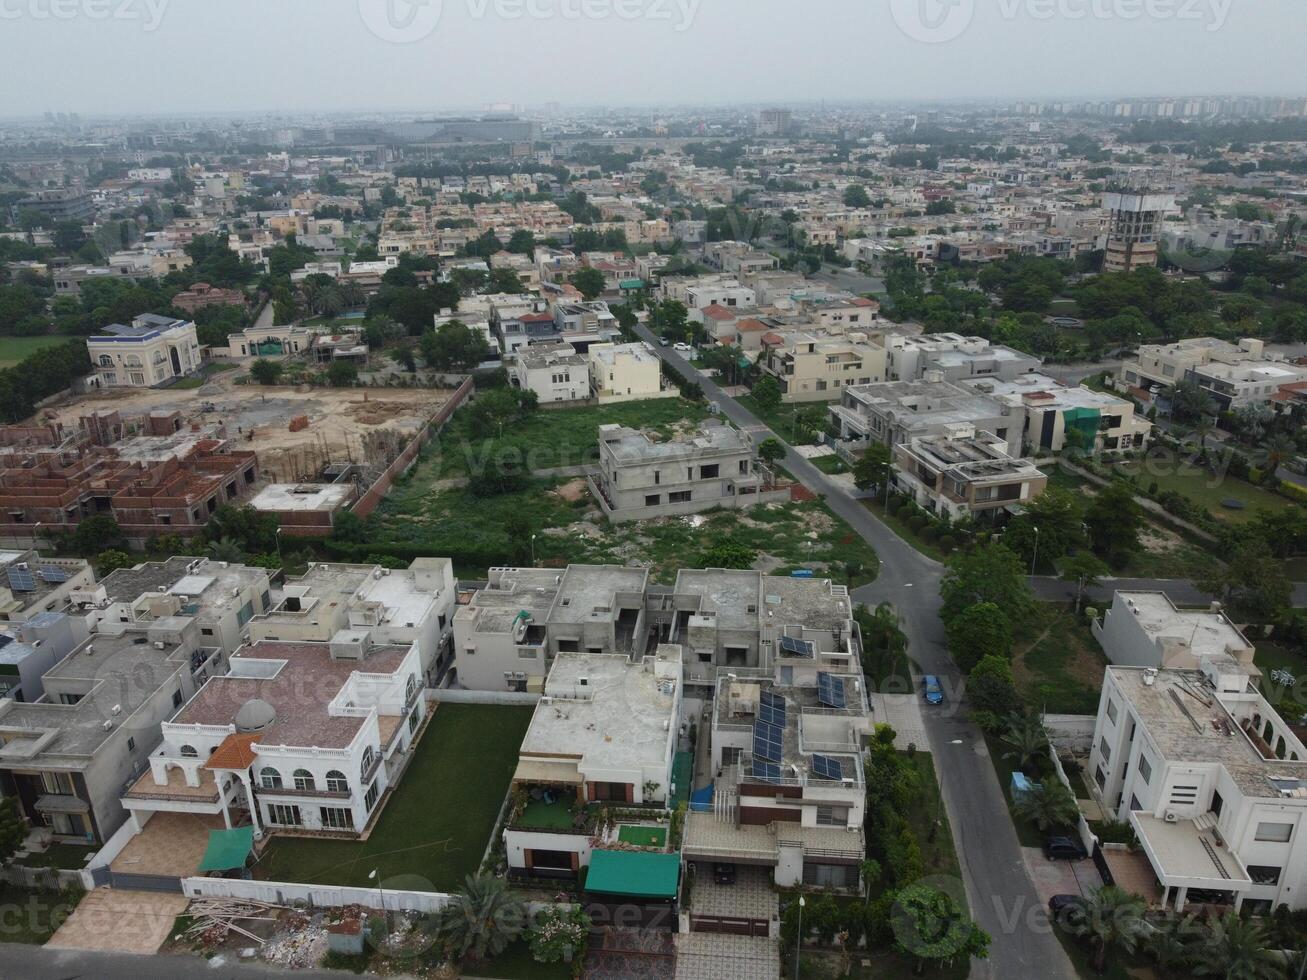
512	591
110	672
921	404
299	692
635	446
305	497
622	717
589	592
1062	397
207	582
1206	633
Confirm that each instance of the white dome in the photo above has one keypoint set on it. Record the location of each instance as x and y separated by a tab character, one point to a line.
254	716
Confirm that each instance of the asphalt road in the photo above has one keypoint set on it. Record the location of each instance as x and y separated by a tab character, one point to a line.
36	963
1182	591
1001	894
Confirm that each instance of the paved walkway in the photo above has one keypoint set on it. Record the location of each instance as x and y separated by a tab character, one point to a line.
902	712
114	921
715	956
170	844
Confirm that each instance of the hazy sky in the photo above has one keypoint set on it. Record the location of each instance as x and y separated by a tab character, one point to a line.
169	56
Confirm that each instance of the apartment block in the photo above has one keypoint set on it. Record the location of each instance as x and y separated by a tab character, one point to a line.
716	466
1211	779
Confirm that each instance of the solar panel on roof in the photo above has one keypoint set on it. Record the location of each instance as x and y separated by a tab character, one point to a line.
768	741
771	709
798	648
20	580
768	772
53	576
826	767
830	691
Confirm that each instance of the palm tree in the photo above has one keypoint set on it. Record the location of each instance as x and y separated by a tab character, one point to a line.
1278	449
1174	946
1110	918
1236	950
482	919
1029	741
1047	805
226	549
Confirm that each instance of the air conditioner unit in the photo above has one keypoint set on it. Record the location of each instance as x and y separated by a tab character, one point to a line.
1170	816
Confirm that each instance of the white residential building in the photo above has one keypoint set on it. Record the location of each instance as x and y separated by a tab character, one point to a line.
1146	629
153	350
555	372
626	372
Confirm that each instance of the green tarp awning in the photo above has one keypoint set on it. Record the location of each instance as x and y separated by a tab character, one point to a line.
632	284
228	849
634	874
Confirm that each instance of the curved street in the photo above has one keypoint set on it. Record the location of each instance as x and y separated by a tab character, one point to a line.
1002	896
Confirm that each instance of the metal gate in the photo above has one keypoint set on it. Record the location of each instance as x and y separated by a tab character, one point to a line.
754	928
144	883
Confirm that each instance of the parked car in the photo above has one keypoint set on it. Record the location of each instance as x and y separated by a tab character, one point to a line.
723	874
1064	849
684	348
931	689
1065	909
663	342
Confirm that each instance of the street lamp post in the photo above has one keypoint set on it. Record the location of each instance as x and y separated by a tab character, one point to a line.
1034	559
533	549
798	943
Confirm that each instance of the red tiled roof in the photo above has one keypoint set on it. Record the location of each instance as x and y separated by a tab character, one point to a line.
716	312
750	325
772	339
537	317
235	752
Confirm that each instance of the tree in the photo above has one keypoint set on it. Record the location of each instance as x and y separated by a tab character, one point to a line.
873	468
981	630
1028	740
1048	805
767	393
987	573
1114	521
454	346
1174	946
560	932
96	534
342	374
111	561
1236	949
856	196
13	828
1110	919
992	695
932	927
1189	402
226	549
1253	582
771	451
1057	515
266	372
589	280
482	919
1085	570
728	554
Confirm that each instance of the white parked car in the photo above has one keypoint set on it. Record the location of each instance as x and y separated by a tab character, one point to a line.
685	348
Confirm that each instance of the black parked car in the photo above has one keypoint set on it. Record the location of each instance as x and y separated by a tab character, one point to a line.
1064	849
1064	909
724	874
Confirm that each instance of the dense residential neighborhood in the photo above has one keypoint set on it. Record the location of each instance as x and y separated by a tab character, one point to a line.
652	530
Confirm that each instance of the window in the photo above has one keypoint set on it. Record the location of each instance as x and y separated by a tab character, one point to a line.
680	497
410	688
369	756
336	782
832	816
1262	874
336	818
1145	769
709	472
370	800
283	814
57	783
304	780
1134	802
1111	710
189	752
1184	795
412	722
1278	833
653	499
830	875
269	778
1099	777
1104	750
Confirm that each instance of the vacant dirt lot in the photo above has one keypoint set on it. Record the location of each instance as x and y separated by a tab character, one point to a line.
344	424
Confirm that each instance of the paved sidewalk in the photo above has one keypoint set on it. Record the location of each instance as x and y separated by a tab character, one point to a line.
715	956
115	921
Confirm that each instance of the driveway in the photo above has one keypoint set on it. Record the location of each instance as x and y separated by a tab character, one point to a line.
115	921
902	712
1059	877
716	956
996	879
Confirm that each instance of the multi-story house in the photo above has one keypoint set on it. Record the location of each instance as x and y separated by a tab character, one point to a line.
626	372
31	586
555	372
1234	375
1211	779
68	758
153	350
28	650
1146	629
716	466
604	734
967	475
296	736
899	411
815	368
1058	417
952	357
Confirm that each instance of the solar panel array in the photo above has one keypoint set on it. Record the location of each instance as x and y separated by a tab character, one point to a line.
830	691
798	648
52	576
826	767
771	708
768	772
768	741
20	579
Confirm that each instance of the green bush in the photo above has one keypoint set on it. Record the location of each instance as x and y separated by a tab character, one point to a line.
1292	491
929	532
947	542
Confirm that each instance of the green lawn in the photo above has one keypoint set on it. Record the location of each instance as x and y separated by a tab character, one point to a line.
782	419
548	438
1209	491
831	464
904	530
15	349
33	916
439	820
517	963
642	836
1057	664
68	857
929	822
553	816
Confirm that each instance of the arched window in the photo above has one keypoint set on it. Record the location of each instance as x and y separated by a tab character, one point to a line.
368	757
410	688
131	360
189	752
106	360
304	779
336	782
270	778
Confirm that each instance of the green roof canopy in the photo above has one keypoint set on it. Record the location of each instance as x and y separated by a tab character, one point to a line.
633	873
228	849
